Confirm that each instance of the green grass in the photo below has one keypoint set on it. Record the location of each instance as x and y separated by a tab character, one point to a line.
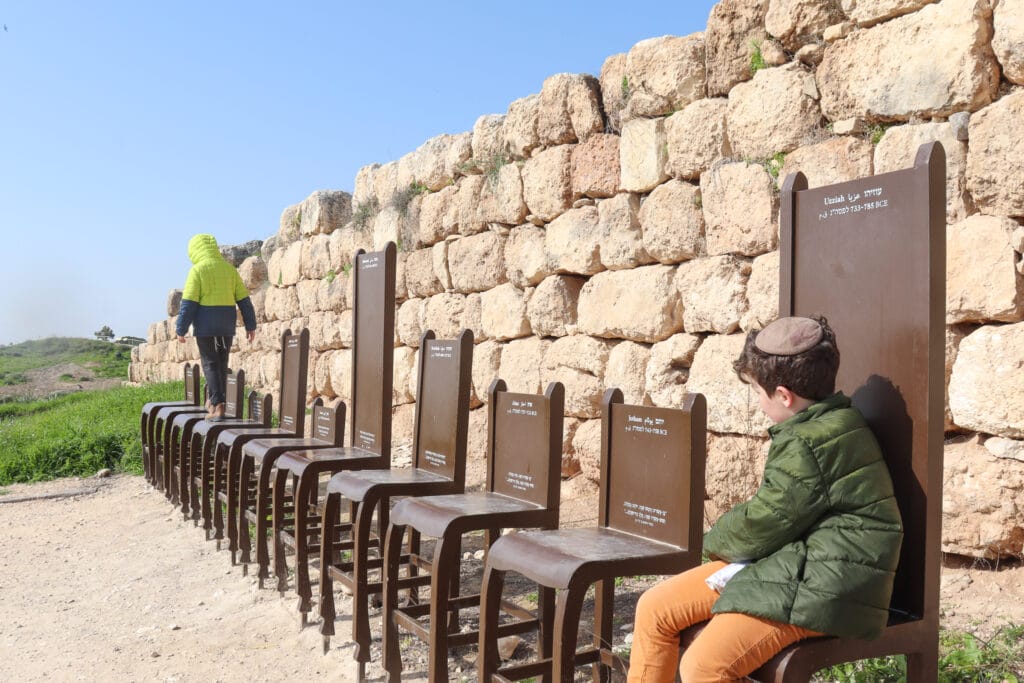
76	434
756	58
106	359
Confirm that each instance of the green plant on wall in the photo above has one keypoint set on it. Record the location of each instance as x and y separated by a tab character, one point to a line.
756	57
876	132
625	88
403	198
365	212
773	165
329	278
492	167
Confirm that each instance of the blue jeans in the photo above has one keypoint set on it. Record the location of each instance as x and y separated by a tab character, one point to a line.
214	353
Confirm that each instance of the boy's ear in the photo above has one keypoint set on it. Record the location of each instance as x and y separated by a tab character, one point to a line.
785	395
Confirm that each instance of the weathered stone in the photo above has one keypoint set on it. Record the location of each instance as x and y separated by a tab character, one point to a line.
408	322
595	166
488	141
503	312
975	521
526	262
385	182
308	294
522	361
289	265
894	71
838	31
552	307
405	370
982	282
626	370
643	154
832	161
282	303
578	362
439	256
954	335
477	263
437	219
520	127
572	242
984	389
363	186
570	109
472	316
640	304
697	137
431	163
733	472
622	245
740	207
403	420
870	12
258	298
253	271
341	374
732	405
460	154
327	329
236	253
333	293
772	53
343	245
673	224
547	182
443	314
713	293
995	160
1008	38
465	208
1005	448
811	55
174	302
614	89
668	369
898	148
664	74
288	231
316	257
789	93
486	365
796	23
270	245
501	198
762	292
586	446
734	27
324	211
420	280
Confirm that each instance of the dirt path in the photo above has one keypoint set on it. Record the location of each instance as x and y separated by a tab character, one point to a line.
101	580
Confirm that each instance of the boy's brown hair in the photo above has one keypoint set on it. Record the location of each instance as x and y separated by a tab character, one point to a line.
810	373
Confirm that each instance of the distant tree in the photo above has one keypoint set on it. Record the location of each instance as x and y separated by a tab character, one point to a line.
104	333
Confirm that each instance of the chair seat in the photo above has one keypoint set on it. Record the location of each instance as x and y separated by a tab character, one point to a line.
258	448
297	461
203	427
182	420
229	436
432	515
553	558
355	485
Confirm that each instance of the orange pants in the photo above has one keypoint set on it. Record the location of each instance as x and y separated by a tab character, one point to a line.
729	648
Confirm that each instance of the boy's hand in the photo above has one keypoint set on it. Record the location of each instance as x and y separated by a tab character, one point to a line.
250	334
181	338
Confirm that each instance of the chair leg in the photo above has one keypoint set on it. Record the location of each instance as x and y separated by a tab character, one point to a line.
604	602
242	538
566	627
234	482
546	617
444	573
360	590
414	553
389	577
331	512
184	470
263	495
303	489
923	665
490	607
453	584
221	484
277	515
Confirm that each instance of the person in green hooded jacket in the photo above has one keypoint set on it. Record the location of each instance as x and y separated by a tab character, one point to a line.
213	289
814	552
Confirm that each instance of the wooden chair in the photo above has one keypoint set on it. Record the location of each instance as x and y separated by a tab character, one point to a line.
439	467
191	382
878	274
523	487
649	522
160	421
296	517
227	449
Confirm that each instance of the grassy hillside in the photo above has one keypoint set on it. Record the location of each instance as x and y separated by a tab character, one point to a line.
104	358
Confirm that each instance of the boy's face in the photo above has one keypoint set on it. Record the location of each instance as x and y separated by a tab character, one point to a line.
773	405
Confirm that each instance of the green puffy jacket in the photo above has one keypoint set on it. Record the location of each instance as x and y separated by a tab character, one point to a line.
823	531
212	289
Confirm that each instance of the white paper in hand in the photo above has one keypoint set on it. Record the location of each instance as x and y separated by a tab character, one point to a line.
717	581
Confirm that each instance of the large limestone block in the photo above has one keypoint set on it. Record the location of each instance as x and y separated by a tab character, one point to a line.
308	292
898	149
547	182
443	314
420	280
552	306
713	292
488	141
522	361
385	183
408	322
732	405
477	263
734	27
486	367
789	93
290	265
762	292
995	161
697	137
472	316
460	154
405	371
520	127
253	272
438	220
570	109
282	303
403	422
333	293
673	223
501	198
614	89
344	243
832	161
322	375
982	282
668	369
740	207
439	255
327	330
503	312
643	154
258	298
586	446
871	12
627	369
363	186
733	472
984	389
289	226
894	71
430	164
640	304
578	362
316	256
796	23
526	261
572	242
466	205
1008	38
954	335
324	211
174	302
664	74
982	502
619	222
595	166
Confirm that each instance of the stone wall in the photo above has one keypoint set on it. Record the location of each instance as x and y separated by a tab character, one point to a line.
623	230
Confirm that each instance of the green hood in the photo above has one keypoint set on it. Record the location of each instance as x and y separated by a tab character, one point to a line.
203	247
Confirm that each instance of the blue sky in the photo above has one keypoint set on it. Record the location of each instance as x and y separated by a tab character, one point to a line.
127	127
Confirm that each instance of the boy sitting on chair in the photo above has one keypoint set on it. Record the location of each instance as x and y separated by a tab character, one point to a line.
814	552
